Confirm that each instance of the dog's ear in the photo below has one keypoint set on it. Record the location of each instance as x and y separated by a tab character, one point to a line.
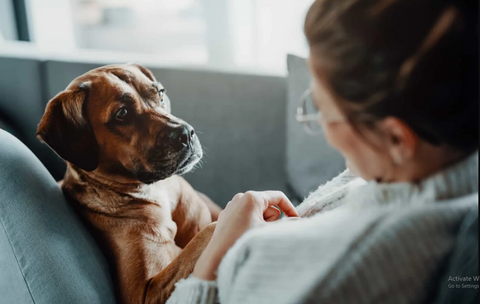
65	129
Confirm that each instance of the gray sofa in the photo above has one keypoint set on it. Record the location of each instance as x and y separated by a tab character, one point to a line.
48	257
252	142
46	254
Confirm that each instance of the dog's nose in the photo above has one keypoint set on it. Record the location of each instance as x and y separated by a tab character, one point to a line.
182	136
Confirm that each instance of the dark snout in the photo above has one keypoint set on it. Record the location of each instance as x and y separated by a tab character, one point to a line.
176	151
180	136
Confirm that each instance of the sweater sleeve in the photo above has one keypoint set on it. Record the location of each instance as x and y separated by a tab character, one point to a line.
194	291
379	255
396	260
329	195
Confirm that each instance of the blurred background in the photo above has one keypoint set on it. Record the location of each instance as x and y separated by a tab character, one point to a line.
230	34
234	69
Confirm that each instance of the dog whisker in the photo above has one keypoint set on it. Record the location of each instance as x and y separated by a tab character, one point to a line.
205	152
196	166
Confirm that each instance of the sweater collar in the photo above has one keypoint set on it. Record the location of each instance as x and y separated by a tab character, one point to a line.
460	179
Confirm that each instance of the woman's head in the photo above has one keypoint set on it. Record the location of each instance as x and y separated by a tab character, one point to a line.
404	75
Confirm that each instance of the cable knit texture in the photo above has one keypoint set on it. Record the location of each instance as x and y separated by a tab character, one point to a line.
359	243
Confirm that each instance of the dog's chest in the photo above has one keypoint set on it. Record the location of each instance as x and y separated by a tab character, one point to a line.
158	195
159	214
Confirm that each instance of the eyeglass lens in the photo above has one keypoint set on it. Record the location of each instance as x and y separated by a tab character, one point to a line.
310	109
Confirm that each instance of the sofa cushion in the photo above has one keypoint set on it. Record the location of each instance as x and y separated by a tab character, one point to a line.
46	254
310	160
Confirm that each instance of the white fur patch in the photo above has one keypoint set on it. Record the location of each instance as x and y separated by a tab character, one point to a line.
154	193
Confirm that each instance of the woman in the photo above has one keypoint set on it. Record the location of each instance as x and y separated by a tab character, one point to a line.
395	82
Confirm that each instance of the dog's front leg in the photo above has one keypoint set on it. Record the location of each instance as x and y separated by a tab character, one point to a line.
212	207
161	286
191	213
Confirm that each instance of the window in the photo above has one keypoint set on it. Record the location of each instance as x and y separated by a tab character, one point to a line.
232	34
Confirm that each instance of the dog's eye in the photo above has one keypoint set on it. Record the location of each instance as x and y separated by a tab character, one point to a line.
122	114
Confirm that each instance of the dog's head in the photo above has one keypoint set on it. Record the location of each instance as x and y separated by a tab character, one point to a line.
117	119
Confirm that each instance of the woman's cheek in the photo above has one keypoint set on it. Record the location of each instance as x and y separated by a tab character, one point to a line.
358	156
340	137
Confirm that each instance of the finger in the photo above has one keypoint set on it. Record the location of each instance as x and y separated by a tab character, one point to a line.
271	214
279	199
237	196
221	215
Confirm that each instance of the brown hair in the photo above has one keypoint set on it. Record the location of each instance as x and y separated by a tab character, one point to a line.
416	60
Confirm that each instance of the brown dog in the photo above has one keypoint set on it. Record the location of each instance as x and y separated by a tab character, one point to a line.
124	152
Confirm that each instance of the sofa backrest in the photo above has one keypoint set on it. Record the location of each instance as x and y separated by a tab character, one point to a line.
310	160
240	118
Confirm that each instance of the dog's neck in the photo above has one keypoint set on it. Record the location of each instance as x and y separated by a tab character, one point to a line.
115	193
118	184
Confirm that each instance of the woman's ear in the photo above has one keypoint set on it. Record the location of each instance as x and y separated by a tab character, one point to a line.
66	131
401	140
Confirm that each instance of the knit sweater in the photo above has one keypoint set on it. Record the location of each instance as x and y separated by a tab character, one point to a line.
359	243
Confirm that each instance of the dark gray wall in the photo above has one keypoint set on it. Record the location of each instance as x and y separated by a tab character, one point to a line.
240	118
22	103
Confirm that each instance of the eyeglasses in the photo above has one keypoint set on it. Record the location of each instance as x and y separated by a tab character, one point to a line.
309	115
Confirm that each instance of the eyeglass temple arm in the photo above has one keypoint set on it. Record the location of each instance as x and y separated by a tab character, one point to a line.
306	118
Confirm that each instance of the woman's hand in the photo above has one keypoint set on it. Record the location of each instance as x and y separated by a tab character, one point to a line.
245	211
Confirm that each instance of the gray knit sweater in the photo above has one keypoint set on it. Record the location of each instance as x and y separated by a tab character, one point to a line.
361	243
